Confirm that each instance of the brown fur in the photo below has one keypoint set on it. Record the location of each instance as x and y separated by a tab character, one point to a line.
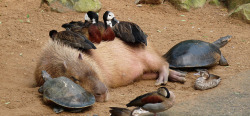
60	60
122	64
115	63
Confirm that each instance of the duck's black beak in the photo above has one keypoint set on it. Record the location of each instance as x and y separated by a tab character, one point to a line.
114	21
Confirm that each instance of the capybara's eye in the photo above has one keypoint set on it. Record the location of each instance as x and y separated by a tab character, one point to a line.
97	94
74	79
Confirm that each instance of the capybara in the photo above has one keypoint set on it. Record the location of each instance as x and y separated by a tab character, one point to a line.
115	63
61	60
122	63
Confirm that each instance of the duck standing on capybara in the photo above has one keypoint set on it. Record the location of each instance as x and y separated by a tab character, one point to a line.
114	63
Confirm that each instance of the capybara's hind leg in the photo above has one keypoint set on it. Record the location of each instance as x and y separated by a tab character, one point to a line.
177	76
149	75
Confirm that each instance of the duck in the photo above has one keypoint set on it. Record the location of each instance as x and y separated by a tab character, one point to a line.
154	102
72	39
92	28
127	31
206	80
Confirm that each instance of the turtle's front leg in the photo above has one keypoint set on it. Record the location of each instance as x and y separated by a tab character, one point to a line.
58	109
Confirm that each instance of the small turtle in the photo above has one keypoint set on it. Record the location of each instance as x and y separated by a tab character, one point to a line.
65	94
197	53
206	80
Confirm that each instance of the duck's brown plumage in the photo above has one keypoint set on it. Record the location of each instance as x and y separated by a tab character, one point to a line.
93	31
129	32
152	97
72	39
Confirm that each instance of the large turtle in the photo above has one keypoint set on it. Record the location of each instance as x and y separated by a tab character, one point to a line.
197	54
65	94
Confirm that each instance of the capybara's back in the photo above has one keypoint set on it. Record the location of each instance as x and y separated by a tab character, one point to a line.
124	63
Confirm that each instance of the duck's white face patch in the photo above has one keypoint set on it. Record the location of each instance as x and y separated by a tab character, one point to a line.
93	21
87	17
109	23
110	16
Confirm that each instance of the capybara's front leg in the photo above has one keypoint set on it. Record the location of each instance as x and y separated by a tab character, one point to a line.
163	75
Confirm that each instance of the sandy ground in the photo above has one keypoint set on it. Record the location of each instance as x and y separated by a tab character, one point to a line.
21	43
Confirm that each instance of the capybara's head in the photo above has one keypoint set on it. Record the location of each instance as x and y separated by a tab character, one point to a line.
61	60
84	73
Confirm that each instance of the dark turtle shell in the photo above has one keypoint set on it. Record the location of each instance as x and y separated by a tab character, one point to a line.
66	93
193	53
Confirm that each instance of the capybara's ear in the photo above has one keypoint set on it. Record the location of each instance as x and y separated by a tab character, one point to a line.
52	34
80	56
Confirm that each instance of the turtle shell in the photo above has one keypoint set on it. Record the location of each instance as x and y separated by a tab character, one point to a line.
64	92
192	54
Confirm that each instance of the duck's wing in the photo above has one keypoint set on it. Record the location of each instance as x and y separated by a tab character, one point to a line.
130	32
75	24
145	99
75	40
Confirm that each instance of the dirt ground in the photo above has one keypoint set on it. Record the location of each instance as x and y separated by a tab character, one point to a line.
22	38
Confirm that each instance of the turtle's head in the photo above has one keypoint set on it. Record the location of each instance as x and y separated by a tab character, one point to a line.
45	75
222	41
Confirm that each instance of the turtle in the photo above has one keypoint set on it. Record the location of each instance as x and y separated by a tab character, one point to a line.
197	54
64	94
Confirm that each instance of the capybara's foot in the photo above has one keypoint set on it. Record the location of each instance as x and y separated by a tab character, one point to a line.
177	76
163	76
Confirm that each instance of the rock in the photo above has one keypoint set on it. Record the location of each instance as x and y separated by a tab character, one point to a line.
214	2
186	5
73	5
242	12
88	5
232	4
149	1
